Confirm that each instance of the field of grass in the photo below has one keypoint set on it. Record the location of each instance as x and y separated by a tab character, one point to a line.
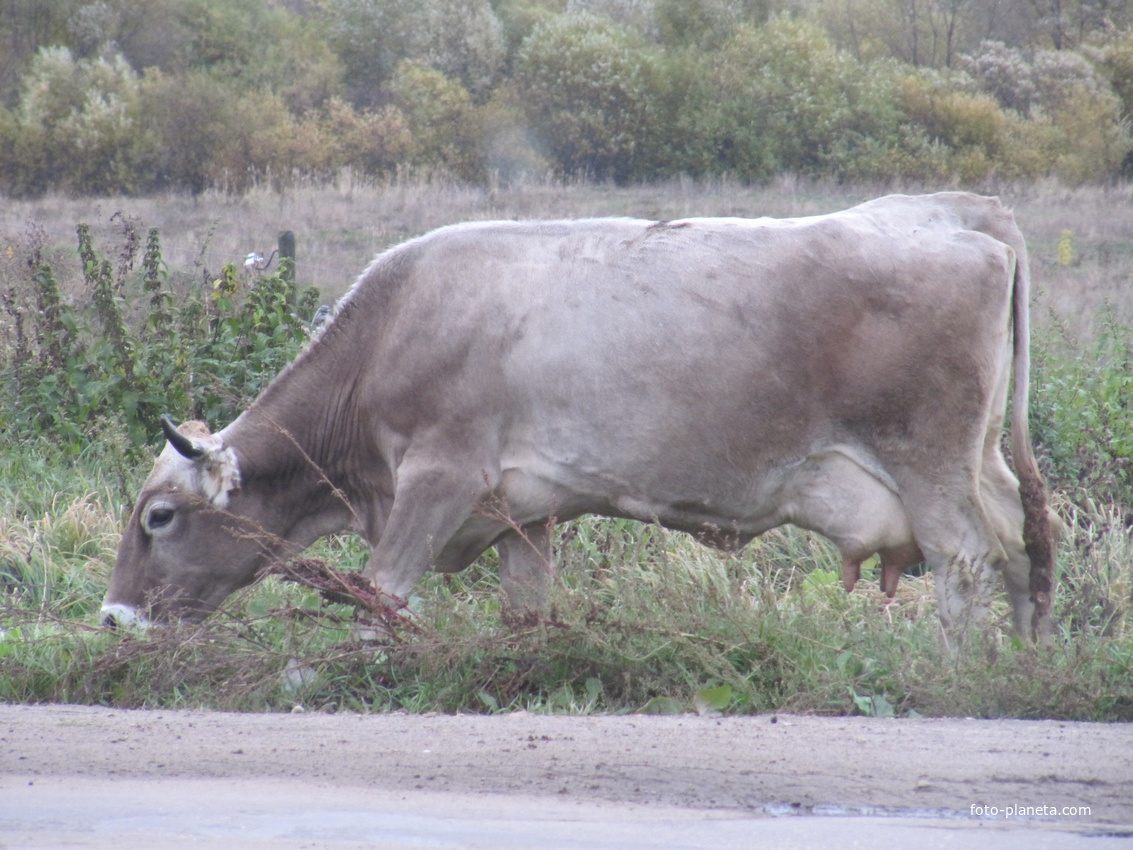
644	619
340	228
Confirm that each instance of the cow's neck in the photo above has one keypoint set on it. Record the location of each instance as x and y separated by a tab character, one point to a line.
296	440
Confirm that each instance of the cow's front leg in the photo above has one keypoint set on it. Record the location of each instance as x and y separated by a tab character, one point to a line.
429	507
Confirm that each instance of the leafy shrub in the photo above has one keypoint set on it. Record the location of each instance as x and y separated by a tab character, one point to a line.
237	93
1114	60
190	114
968	129
252	334
782	98
73	373
375	142
705	24
261	141
1082	413
462	39
1073	116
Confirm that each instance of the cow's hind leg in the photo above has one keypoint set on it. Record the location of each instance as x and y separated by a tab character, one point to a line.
961	548
526	569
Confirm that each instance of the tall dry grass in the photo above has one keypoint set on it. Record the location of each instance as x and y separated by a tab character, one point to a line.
340	227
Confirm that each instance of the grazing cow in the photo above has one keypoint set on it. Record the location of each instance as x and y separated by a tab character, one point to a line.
847	373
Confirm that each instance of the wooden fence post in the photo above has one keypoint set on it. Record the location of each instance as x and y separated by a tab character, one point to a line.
287	252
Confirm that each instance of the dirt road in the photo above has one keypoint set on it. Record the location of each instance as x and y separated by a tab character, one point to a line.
90	777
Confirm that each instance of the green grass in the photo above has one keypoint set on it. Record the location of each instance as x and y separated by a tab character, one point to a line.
644	620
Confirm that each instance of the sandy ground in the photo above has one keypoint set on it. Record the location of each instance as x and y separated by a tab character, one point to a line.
89	777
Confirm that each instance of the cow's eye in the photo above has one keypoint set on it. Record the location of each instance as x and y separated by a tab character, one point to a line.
158	518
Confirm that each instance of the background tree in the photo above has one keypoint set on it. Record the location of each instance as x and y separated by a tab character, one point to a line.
705	24
462	39
77	126
442	121
586	83
786	99
191	113
1113	59
1073	112
136	95
29	25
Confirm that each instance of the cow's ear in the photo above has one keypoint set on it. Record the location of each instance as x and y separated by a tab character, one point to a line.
216	472
219	475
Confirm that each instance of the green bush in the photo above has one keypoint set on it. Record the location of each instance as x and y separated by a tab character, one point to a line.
191	114
967	131
1082	413
232	94
462	39
1073	118
705	24
1114	60
445	135
131	348
374	142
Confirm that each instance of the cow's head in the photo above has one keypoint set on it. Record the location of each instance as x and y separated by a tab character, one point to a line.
195	535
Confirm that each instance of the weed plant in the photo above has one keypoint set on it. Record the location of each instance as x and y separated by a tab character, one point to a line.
108	361
642	620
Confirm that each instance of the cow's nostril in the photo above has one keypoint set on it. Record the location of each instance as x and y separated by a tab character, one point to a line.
115	616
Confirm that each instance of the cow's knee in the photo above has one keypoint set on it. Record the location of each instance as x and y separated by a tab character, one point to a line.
423	528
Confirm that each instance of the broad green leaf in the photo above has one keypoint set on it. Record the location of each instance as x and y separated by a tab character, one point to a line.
710	701
662	705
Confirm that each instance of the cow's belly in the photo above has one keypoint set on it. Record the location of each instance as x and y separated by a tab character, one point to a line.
837	491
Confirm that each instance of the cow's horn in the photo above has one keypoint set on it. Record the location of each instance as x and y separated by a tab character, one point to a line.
179	441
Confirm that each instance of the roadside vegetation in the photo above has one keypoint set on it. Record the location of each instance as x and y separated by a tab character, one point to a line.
99	336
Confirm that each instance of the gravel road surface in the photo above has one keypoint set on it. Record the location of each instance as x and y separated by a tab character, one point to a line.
84	777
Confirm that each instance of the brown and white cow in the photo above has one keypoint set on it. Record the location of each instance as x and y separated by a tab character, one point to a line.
847	373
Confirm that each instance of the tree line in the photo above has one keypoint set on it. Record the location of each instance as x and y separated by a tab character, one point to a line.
136	96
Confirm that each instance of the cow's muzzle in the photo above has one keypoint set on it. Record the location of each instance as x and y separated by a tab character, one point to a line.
116	616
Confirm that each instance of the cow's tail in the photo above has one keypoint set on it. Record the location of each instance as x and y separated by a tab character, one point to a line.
1037	533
